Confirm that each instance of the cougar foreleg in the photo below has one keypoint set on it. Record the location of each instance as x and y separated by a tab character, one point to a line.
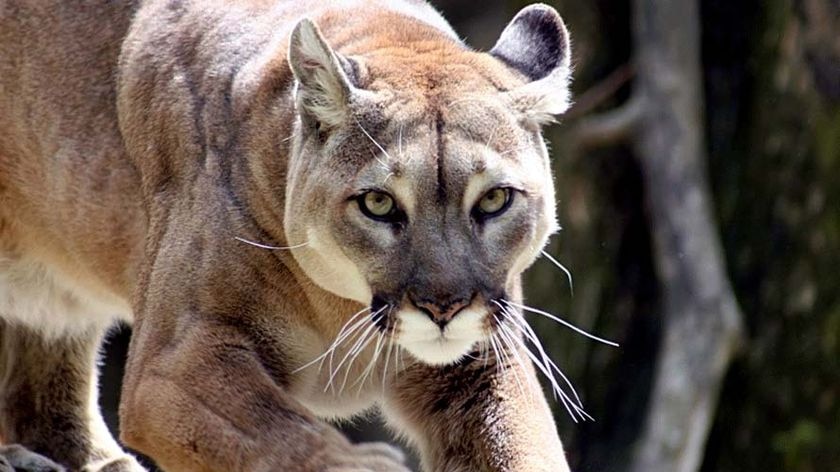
206	401
477	416
48	404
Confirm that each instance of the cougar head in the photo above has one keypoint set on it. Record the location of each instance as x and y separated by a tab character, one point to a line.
419	178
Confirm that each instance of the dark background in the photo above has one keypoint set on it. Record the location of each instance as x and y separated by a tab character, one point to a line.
770	118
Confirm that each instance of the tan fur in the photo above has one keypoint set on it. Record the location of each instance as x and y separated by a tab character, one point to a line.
137	143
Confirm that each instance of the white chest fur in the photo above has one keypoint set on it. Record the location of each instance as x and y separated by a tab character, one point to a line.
56	304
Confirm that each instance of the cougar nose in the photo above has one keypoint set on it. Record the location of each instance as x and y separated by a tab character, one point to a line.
441	313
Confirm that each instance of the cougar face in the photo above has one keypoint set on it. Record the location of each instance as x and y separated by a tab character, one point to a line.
421	195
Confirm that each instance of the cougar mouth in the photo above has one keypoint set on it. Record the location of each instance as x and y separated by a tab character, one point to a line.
438	342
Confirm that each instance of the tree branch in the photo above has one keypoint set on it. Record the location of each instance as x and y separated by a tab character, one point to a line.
600	92
609	127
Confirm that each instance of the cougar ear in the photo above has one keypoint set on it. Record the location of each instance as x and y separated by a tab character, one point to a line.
536	44
324	86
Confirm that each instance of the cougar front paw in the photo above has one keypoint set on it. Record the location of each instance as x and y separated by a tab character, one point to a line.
370	457
16	458
123	463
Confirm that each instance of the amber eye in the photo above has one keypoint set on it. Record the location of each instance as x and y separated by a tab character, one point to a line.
379	206
494	202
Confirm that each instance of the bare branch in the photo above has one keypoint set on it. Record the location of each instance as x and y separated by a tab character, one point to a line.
609	127
600	92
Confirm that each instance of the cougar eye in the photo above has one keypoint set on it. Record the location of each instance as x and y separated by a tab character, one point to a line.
378	206
494	202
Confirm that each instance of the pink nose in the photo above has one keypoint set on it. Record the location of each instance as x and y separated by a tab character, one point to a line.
441	314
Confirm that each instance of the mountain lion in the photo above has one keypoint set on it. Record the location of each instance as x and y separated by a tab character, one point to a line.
299	221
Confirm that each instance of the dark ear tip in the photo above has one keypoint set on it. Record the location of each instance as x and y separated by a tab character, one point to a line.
536	42
539	7
540	15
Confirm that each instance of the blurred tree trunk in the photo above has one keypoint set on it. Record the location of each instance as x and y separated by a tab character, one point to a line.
702	321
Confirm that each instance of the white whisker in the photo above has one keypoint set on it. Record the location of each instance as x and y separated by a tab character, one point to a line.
351	334
334	372
499	359
346	332
367	336
352	353
517	341
266	246
339	337
381	162
353	338
387	178
555	387
563	268
561	321
547	366
371	364
391	345
479	357
526	329
505	335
